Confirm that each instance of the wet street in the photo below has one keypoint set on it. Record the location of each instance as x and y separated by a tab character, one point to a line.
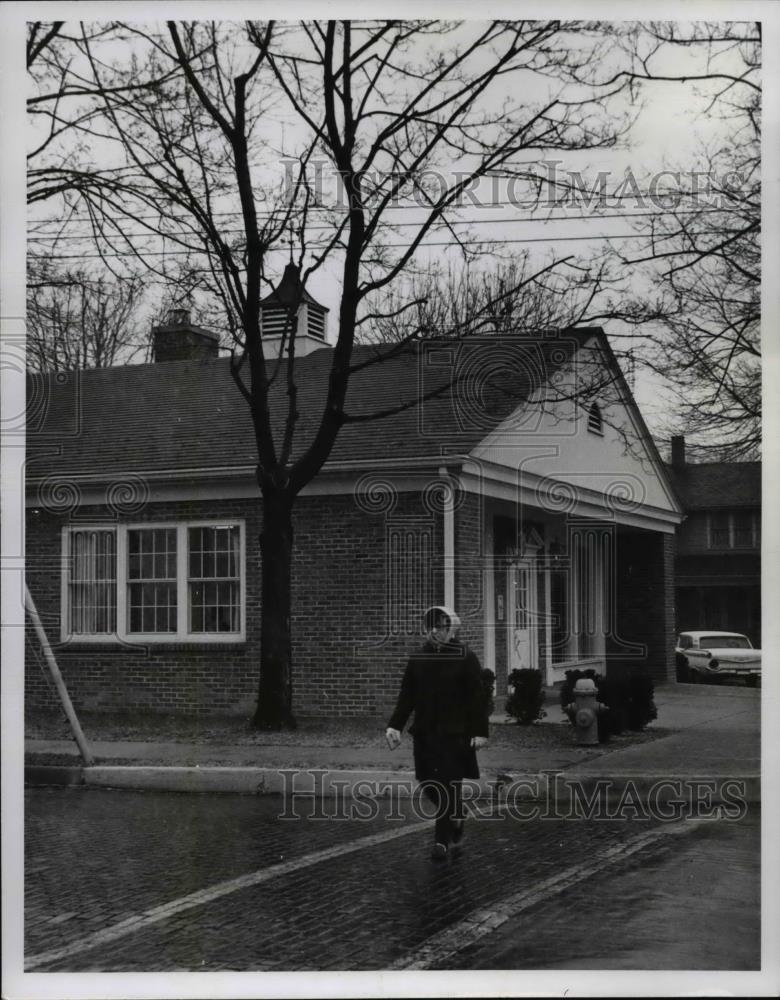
127	881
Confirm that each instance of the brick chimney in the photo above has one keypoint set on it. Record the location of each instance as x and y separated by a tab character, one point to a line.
178	339
678	451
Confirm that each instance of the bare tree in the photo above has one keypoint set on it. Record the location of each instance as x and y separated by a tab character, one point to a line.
706	337
64	105
78	320
701	328
75	317
397	111
510	297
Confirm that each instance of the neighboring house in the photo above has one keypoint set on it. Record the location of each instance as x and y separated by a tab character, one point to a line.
551	537
718	559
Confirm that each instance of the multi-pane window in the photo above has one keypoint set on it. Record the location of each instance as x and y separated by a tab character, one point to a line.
92	582
157	582
743	529
719	530
214	579
151	580
739	529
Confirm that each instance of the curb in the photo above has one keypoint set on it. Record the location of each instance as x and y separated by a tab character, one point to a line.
45	775
559	786
311	783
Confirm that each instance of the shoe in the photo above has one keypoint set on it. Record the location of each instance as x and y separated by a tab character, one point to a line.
439	852
458	830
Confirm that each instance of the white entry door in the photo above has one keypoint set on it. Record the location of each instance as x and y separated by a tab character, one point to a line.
523	641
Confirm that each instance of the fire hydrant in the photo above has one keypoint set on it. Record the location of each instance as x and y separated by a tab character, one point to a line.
585	711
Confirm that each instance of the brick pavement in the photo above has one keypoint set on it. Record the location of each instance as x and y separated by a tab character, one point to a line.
95	858
695	907
367	909
110	854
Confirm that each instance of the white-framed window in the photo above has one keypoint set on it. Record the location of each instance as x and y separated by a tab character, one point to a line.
154	583
91	582
739	529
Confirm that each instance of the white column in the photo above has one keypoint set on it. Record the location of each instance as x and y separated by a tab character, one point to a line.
489	590
449	540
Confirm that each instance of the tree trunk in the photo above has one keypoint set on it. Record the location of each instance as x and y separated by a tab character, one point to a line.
274	703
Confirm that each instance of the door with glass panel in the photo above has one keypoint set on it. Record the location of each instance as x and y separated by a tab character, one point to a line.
523	623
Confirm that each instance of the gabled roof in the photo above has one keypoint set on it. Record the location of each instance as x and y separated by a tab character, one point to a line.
189	415
718	484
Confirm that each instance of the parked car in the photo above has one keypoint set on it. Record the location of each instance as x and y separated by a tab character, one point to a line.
716	655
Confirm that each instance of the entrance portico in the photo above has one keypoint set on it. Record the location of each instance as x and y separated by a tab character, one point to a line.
561	589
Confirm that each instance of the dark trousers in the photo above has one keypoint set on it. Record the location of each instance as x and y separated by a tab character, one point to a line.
446	796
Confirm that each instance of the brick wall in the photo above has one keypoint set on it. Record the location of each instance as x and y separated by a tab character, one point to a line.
360	581
692	533
170	677
469	562
359	577
644	603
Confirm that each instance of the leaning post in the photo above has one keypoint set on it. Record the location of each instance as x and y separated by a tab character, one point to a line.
58	680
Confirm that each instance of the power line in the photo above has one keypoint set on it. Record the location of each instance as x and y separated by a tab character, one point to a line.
499	203
399	246
40	237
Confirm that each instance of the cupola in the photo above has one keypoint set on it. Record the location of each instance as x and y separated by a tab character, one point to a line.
290	312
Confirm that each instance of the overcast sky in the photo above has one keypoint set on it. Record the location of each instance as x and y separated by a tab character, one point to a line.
671	125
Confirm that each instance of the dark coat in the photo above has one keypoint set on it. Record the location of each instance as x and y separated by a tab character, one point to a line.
442	687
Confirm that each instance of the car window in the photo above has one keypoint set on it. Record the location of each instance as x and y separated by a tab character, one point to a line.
724	642
684	642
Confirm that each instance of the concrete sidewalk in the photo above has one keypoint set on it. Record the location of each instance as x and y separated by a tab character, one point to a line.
713	735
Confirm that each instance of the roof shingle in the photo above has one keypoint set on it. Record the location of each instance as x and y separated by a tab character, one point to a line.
190	414
718	484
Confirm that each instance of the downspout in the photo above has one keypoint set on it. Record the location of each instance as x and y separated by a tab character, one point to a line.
449	539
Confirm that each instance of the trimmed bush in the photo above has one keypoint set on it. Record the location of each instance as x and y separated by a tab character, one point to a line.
525	702
682	673
641	708
488	680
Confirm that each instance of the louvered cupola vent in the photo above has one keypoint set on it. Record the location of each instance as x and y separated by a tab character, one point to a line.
290	313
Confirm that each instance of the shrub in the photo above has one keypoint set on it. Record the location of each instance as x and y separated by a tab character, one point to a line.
641	708
612	692
525	702
488	679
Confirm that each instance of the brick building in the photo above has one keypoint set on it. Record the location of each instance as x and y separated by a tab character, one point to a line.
548	526
718	558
